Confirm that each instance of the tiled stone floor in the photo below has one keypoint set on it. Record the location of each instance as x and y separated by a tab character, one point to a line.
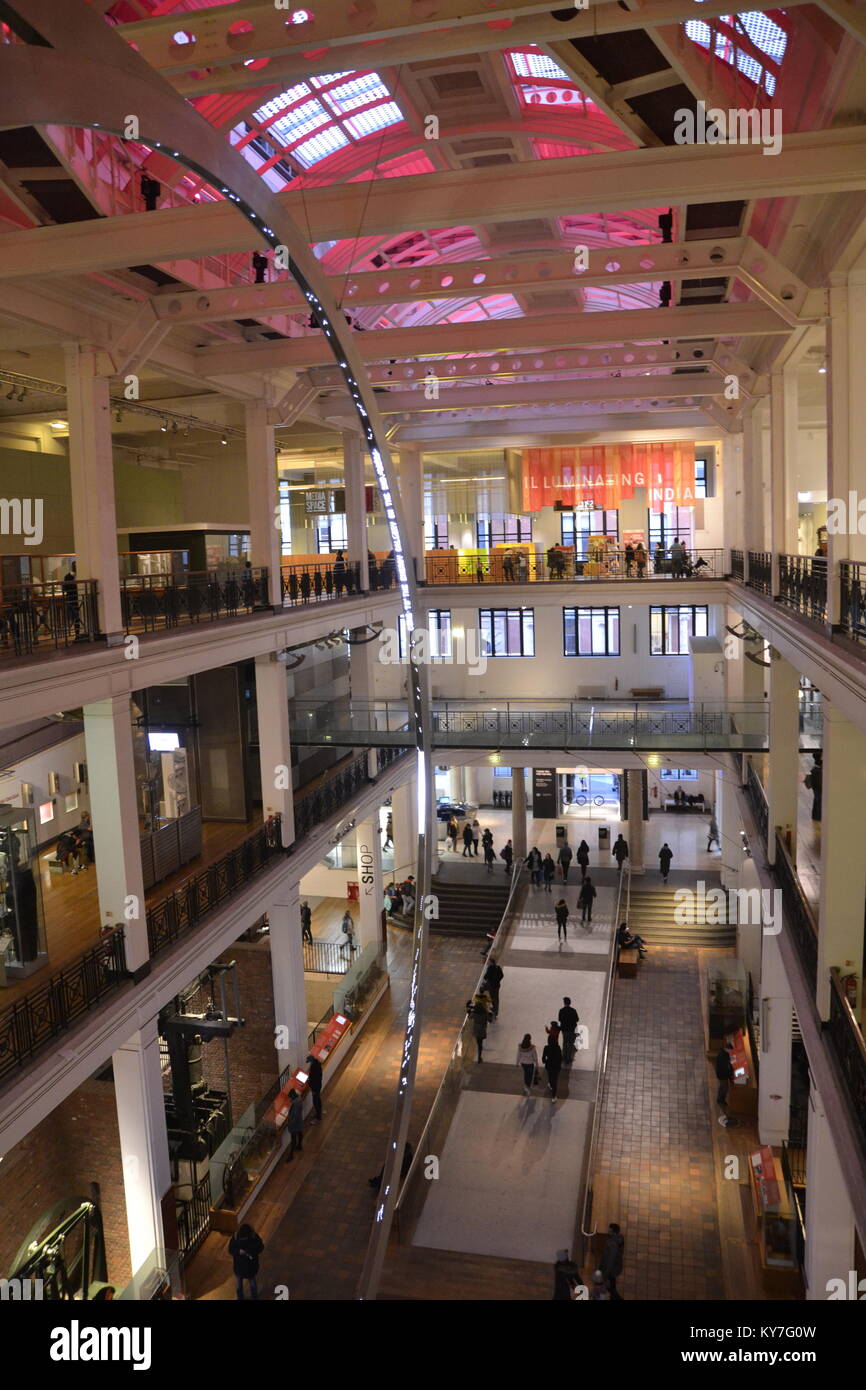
655	1133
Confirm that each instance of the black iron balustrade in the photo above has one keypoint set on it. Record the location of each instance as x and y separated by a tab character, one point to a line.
326	958
31	1023
852	578
204	892
560	564
318	581
849	1050
738	568
803	585
758	802
589	722
151	602
55	614
317	805
193	1218
388	754
798	913
761	571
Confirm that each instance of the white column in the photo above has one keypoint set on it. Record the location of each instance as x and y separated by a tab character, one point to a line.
518	812
635	834
731	466
784	764
404	807
263	498
470	775
753	480
843	864
783	466
138	1096
728	817
287	972
774	1092
829	1216
412	496
846	415
356	503
114	813
370	885
91	476
362	687
275	749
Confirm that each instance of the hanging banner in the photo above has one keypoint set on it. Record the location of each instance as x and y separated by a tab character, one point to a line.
606	475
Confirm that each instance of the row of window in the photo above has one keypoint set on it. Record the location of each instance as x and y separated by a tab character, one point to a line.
586	631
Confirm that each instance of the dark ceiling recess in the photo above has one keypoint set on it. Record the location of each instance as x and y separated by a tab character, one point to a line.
24	148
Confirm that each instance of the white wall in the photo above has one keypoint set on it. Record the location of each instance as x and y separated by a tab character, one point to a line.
35	770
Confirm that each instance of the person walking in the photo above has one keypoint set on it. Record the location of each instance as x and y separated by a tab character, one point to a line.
306	923
620	851
527	1058
561	911
492	981
508	855
568	1021
564	858
489	853
548	871
389	832
584	899
582	858
533	864
713	833
551	1059
610	1263
476	832
666	854
480	1015
295	1125
245	1247
724	1076
314	1081
348	925
452	833
467	840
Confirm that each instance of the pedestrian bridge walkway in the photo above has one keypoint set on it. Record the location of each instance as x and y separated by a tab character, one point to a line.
510	1167
568	725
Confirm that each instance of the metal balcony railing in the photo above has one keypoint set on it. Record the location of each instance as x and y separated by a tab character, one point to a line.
558	564
849	1051
738	570
761	571
36	616
317	582
798	913
326	958
803	585
150	602
852	578
33	1022
758	802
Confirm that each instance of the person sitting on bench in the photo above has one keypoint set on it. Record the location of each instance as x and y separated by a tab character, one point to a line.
624	939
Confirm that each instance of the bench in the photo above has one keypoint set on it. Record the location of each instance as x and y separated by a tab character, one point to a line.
626	966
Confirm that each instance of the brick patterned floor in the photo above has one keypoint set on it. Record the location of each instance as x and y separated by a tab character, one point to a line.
314	1216
655	1133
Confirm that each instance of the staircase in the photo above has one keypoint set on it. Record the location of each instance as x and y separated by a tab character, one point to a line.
662	919
469	909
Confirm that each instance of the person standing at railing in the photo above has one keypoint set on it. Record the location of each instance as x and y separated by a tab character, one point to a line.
339	573
660	564
629	559
678	559
70	599
314	1081
527	1058
640	560
306	923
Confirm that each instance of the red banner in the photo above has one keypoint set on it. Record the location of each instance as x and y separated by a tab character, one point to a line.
605	475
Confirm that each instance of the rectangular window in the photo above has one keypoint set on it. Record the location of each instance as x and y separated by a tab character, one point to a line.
332	533
590	631
439	627
285	518
507	631
577	527
501	529
678	774
502	772
671	625
671	524
701	478
436	533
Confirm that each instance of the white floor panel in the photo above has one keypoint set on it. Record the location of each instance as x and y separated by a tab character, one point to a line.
508	1178
532	998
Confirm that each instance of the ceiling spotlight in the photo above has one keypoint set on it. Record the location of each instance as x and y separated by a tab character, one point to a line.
164	427
10	394
223	440
22	393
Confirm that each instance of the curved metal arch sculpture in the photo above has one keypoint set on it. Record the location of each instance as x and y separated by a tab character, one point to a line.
46	80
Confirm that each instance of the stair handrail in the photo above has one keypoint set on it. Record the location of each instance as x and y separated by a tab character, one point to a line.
623	901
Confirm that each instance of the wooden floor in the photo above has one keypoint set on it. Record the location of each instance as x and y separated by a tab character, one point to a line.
71	904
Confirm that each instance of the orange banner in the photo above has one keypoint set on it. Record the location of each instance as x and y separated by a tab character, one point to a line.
608	474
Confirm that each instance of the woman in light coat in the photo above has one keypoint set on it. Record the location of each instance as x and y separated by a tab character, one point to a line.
527	1058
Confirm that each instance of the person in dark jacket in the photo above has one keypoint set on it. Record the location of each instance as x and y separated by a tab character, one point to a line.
566	1276
479	1012
582	858
548	872
584	899
493	980
551	1060
306	923
724	1075
314	1081
295	1124
489	854
624	939
561	911
568	1021
452	832
404	1168
620	851
533	864
245	1247
467	839
508	855
564	858
666	854
610	1263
